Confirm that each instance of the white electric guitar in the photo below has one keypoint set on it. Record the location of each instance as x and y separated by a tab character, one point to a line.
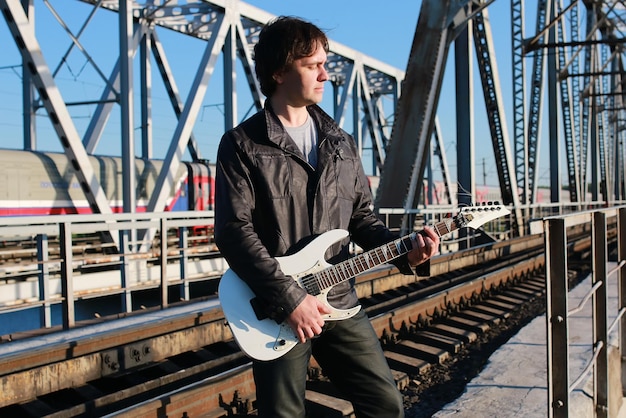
265	339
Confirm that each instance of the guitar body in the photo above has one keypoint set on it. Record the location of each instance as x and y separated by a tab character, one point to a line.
265	339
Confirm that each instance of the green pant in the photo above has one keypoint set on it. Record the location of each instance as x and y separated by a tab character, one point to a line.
350	355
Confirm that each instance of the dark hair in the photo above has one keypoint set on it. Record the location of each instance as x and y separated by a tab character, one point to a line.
281	42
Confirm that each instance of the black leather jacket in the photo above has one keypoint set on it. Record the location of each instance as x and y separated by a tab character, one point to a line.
270	201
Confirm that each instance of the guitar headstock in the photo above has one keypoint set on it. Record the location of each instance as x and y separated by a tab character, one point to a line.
475	216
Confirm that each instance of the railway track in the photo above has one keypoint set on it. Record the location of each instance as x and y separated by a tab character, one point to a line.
189	365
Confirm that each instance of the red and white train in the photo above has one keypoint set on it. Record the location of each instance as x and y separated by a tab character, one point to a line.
41	183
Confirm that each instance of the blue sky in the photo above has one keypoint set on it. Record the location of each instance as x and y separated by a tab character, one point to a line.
384	33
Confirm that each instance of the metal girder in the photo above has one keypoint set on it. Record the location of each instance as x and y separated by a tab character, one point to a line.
609	145
370	119
553	128
465	120
350	74
145	97
408	147
571	152
577	106
343	83
520	137
163	65
536	103
247	32
440	22
197	18
495	113
230	78
220	27
351	80
129	180
612	152
603	132
24	33
493	101
29	107
439	151
586	102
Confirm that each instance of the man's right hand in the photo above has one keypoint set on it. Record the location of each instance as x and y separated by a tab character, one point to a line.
306	320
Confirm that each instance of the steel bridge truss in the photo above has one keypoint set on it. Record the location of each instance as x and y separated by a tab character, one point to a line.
585	111
589	108
363	87
582	72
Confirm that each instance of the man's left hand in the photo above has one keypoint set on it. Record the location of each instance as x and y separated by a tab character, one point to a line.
425	245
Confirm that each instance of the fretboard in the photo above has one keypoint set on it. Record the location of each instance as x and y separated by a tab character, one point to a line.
352	267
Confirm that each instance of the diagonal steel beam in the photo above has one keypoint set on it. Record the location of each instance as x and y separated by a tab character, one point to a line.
172	89
24	33
165	181
109	97
408	147
369	110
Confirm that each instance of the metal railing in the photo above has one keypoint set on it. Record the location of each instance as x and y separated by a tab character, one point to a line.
121	267
558	315
62	276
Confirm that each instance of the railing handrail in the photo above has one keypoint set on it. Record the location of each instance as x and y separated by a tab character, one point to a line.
557	313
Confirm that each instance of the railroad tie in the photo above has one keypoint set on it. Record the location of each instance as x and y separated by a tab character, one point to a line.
322	405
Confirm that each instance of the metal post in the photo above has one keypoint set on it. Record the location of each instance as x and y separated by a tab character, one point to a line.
357	132
556	316
183	233
600	331
44	280
67	279
593	140
129	182
621	280
145	69
555	150
29	121
465	155
164	298
429	174
230	78
127	302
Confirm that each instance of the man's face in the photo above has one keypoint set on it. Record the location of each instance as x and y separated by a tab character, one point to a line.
303	83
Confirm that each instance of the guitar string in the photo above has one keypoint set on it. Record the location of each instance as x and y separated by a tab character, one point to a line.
339	272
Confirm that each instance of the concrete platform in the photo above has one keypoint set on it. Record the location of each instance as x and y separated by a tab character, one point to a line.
514	382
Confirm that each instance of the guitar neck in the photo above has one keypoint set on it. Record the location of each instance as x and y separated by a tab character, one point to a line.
324	279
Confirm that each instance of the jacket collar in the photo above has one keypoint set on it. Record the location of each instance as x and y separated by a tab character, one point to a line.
327	128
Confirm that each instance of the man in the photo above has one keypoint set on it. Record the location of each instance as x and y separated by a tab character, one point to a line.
285	175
